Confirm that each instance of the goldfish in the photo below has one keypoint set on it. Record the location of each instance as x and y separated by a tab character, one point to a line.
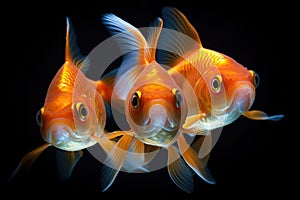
224	88
73	116
154	108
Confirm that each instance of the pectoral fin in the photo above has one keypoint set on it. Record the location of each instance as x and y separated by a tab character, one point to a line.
135	159
179	172
191	158
191	120
28	159
260	115
203	146
114	161
195	124
66	161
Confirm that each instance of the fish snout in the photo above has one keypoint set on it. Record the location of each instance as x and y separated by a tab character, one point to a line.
159	128
157	116
244	95
160	118
58	134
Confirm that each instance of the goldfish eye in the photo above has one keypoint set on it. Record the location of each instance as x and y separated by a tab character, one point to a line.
135	100
216	83
178	97
38	117
81	111
255	77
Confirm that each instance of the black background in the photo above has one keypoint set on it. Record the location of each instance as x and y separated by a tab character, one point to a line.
250	158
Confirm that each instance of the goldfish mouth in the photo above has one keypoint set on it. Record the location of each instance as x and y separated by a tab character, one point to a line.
168	125
159	120
63	137
241	100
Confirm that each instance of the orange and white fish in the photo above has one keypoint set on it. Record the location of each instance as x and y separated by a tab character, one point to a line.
224	88
154	109
74	115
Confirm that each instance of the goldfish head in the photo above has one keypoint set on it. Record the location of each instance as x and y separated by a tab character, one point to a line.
229	93
72	115
156	113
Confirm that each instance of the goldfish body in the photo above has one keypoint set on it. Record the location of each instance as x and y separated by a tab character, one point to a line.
154	107
73	116
224	88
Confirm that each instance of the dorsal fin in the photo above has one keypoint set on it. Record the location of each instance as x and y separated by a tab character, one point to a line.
176	20
72	51
130	41
152	39
178	38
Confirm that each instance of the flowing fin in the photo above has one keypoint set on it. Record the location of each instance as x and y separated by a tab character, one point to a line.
259	115
72	52
192	120
203	146
192	159
174	19
192	125
152	39
130	40
114	161
115	134
28	160
135	160
66	161
178	40
179	172
106	144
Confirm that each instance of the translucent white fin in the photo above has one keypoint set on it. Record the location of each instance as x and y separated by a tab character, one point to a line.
192	159
192	126
114	161
203	145
135	160
130	40
179	172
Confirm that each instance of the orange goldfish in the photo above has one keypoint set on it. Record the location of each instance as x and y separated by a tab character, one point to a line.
224	88
154	107
73	116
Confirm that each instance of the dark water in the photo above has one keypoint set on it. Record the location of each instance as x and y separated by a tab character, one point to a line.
249	157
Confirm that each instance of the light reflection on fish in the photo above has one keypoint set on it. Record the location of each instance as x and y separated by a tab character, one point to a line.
224	88
73	116
154	109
